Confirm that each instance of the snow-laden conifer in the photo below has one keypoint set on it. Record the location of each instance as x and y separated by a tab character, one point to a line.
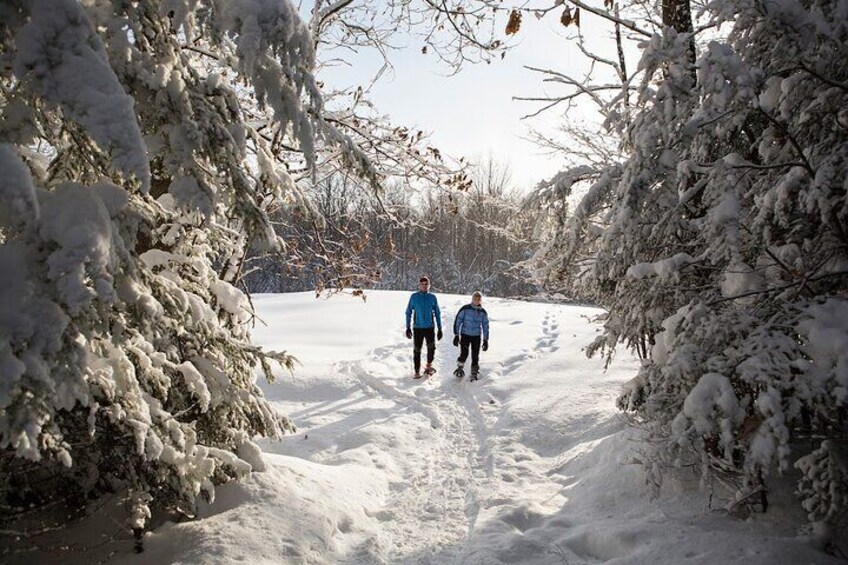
719	245
133	181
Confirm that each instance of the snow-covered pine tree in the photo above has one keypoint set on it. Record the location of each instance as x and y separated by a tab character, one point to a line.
719	246
143	147
133	181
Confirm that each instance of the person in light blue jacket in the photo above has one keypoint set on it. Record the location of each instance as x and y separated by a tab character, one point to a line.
423	308
470	325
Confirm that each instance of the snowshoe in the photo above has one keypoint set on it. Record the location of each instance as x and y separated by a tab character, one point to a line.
474	376
459	373
429	371
417	376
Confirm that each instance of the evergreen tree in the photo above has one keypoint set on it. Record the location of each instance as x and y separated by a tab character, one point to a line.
134	180
145	147
718	246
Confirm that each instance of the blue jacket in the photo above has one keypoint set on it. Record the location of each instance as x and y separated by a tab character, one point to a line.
470	320
426	307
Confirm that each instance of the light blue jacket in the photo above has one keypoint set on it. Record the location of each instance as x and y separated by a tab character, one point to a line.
426	308
471	320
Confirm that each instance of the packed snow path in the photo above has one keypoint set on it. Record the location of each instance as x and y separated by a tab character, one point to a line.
531	464
455	462
434	509
434	506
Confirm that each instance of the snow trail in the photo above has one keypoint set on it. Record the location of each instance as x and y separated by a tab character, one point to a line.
431	515
436	509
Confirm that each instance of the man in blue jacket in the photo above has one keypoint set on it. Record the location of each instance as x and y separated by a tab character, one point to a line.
470	324
425	308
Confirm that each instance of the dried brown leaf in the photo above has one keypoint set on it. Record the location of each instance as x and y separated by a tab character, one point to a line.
514	23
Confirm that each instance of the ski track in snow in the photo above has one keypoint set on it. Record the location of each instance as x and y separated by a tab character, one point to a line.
432	514
438	508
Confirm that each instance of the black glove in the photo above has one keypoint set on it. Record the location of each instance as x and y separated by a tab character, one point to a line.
485	345
408	333
439	335
456	341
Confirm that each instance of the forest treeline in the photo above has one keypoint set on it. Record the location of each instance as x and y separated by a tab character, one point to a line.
477	239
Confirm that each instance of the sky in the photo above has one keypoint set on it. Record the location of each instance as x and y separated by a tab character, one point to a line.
473	113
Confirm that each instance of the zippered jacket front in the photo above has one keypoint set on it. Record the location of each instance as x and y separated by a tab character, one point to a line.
471	320
424	308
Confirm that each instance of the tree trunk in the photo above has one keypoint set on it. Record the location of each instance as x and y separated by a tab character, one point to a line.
677	14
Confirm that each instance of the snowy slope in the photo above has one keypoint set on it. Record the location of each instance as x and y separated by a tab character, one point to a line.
528	465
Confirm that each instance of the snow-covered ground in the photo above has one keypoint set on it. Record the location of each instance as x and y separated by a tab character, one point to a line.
532	464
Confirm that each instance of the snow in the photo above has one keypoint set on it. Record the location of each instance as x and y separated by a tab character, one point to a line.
65	59
231	299
665	269
664	341
712	395
275	50
187	192
18	203
532	464
196	384
77	219
740	279
828	343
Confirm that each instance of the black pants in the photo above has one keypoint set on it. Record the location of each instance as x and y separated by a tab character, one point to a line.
418	337
474	342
